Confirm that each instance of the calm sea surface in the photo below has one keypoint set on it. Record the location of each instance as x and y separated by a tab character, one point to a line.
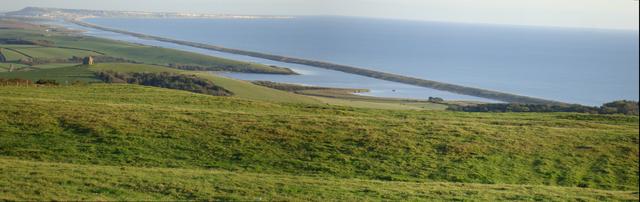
586	66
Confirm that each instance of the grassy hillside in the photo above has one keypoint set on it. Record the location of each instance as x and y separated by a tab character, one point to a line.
100	183
136	126
64	75
45	52
12	55
4	67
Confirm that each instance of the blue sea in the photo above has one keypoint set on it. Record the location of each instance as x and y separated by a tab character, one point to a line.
586	66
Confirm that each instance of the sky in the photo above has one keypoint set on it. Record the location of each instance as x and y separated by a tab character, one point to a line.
606	14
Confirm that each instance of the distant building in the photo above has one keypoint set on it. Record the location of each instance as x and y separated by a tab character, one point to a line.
87	60
2	58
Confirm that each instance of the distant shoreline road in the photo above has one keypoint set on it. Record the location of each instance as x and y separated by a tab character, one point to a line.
458	89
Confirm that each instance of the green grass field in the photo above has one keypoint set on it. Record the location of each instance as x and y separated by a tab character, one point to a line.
52	65
11	55
69	182
140	128
64	75
48	52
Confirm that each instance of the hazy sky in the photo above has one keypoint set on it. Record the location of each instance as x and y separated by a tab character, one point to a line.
619	14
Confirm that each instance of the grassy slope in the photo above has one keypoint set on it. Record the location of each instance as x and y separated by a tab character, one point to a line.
52	65
64	75
125	125
28	180
5	66
49	52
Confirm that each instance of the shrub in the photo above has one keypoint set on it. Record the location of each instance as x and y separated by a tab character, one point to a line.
165	80
616	107
47	82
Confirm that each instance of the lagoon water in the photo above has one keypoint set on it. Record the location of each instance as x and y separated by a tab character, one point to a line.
586	66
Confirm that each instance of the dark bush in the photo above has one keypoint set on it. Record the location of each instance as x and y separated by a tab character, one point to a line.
436	99
620	107
165	80
47	82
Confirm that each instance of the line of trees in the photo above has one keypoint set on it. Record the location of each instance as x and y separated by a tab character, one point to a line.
165	80
616	107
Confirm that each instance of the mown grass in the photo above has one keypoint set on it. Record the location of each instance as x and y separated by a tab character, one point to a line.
125	125
28	180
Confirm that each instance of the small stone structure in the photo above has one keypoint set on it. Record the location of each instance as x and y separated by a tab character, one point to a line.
87	60
2	58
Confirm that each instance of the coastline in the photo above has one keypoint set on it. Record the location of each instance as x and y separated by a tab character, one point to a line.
453	88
